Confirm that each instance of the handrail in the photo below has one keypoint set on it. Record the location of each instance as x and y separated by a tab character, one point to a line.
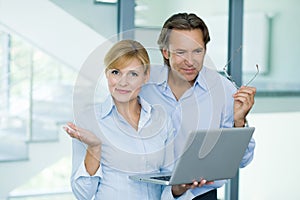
40	193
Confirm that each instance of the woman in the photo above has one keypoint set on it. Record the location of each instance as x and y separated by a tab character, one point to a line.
131	135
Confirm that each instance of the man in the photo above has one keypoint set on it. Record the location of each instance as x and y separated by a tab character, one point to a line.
195	96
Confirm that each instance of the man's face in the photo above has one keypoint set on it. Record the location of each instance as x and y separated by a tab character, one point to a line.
186	53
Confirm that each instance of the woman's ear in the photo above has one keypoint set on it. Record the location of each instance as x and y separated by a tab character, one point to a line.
147	76
165	53
106	73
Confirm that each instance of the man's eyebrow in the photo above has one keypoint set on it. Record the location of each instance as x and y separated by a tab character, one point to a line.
179	49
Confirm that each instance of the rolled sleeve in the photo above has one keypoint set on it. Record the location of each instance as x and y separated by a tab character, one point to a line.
85	186
83	172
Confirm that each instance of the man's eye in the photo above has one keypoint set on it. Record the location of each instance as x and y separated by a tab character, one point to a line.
179	52
198	51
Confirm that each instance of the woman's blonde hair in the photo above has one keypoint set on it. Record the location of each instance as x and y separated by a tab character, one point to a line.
123	52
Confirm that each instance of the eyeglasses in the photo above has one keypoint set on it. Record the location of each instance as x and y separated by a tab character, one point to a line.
230	77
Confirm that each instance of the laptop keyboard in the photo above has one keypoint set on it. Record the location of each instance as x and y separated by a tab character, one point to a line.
163	178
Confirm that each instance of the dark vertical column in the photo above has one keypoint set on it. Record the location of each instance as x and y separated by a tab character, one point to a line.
126	19
235	40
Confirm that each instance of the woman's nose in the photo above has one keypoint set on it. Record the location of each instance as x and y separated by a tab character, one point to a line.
123	80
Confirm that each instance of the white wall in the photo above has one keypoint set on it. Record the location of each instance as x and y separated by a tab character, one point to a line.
100	17
51	29
274	172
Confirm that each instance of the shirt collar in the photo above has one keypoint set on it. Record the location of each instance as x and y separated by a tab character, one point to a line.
201	79
159	76
108	106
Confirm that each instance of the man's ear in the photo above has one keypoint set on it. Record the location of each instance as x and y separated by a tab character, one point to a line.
165	53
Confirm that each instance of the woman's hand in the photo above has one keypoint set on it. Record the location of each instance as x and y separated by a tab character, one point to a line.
82	135
93	151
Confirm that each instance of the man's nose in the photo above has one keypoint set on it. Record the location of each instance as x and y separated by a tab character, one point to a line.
189	58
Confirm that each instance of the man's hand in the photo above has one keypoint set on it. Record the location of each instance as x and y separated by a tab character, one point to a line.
178	190
243	102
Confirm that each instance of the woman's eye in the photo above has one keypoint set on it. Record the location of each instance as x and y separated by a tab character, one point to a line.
134	74
115	72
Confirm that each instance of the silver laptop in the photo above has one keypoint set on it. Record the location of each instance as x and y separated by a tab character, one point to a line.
209	154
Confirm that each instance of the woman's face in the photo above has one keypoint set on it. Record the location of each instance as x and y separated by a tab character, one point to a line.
125	84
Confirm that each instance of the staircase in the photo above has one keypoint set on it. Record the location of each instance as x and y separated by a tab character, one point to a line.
31	136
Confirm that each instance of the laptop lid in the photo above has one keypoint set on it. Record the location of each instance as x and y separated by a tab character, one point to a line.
212	154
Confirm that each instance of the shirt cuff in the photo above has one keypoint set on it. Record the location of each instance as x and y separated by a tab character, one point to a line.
82	172
167	194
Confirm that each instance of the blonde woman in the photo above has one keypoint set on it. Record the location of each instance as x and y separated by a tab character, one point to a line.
131	137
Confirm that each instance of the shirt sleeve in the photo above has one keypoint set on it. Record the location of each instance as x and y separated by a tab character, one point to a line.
83	185
228	121
249	153
191	193
167	194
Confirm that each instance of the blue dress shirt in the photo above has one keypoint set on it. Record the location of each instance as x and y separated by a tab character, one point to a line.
125	152
207	104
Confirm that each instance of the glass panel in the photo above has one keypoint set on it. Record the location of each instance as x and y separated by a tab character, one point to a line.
36	96
273	172
14	101
272	37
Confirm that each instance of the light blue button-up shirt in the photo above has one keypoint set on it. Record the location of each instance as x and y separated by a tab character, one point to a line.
125	152
207	104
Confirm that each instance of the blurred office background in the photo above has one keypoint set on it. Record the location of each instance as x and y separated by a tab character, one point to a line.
44	43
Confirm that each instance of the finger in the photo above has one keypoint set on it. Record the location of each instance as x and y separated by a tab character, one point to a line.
202	182
72	132
246	100
75	129
209	182
71	125
69	131
249	90
194	184
253	89
244	93
242	98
